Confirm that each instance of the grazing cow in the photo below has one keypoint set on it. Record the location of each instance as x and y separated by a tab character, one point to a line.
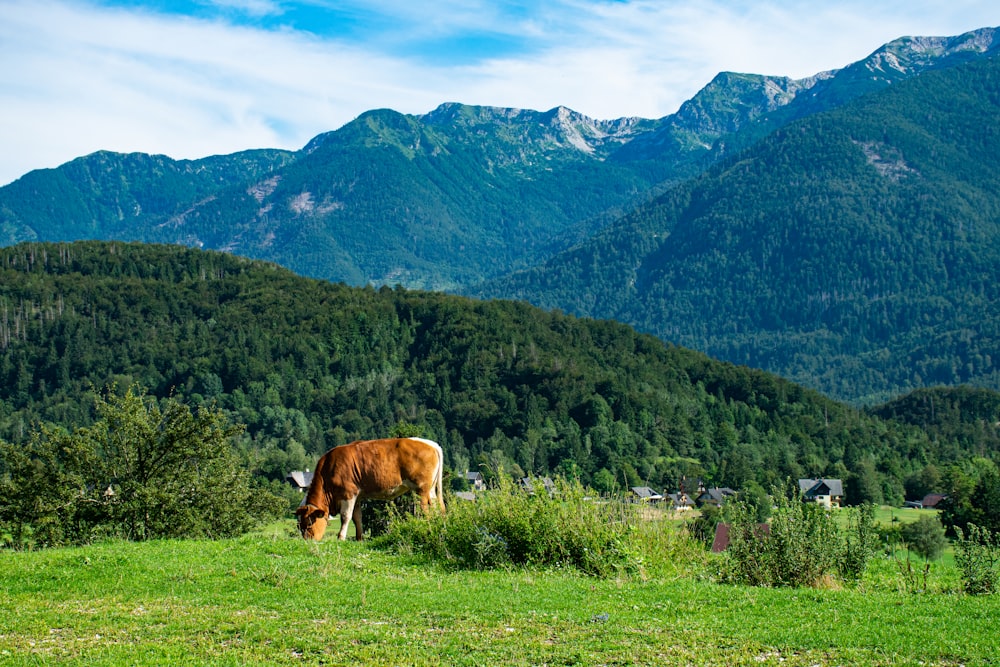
378	469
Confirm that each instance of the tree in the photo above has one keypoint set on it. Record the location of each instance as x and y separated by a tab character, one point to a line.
757	500
925	537
172	471
864	485
46	494
977	502
986	499
604	481
139	472
927	480
404	429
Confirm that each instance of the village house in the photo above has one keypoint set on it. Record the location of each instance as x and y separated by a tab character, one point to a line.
645	494
716	496
527	483
680	501
475	480
826	492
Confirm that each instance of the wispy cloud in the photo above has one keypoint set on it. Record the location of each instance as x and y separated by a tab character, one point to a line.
216	76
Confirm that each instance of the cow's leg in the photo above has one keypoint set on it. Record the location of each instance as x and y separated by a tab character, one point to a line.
425	500
346	513
359	531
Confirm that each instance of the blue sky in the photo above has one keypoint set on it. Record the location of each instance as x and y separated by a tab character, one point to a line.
191	78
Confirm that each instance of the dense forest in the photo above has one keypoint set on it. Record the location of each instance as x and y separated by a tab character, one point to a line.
306	364
856	251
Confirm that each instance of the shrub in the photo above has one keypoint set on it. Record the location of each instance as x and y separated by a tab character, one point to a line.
797	548
801	546
977	552
508	526
141	471
861	541
925	537
702	527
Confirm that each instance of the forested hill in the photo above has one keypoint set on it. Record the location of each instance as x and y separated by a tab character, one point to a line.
307	364
967	415
856	251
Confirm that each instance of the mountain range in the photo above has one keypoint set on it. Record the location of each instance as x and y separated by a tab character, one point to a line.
855	250
838	230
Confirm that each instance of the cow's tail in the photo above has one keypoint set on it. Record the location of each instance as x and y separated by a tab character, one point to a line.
438	487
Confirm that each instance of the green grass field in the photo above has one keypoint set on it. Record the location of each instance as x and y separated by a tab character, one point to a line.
272	599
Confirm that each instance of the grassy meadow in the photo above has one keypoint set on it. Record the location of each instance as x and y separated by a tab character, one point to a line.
272	599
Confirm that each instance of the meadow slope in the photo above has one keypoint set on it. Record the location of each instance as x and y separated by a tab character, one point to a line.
276	600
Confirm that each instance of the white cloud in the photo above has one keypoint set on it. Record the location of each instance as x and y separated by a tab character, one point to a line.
88	77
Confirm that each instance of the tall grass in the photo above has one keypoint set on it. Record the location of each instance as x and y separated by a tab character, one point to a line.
801	546
977	555
562	527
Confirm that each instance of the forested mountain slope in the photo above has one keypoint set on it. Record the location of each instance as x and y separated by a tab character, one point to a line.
439	200
307	364
445	199
856	251
115	195
968	415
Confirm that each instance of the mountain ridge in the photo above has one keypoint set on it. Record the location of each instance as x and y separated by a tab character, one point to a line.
466	194
649	155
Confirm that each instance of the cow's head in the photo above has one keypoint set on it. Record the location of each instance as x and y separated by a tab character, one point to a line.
312	522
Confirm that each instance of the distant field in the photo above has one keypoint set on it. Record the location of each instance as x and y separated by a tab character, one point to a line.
888	515
272	599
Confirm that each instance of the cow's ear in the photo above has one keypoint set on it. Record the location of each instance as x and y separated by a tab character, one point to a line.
302	510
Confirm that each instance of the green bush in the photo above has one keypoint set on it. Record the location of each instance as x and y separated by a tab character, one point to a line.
799	547
861	541
925	537
977	553
142	470
508	526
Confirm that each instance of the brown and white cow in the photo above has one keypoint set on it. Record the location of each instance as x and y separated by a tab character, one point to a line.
377	469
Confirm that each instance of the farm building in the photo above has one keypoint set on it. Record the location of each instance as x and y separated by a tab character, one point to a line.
680	501
720	541
299	479
645	494
715	496
931	500
826	492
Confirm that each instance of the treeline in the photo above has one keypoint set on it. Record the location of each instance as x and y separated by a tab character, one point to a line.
969	419
306	365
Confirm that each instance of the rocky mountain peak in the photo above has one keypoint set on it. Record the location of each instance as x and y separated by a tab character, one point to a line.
909	55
